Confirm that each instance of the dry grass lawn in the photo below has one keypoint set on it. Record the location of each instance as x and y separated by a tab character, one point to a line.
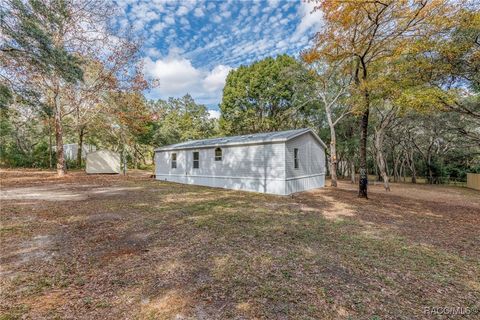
113	247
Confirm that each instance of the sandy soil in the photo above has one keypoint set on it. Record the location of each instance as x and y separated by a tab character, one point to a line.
115	247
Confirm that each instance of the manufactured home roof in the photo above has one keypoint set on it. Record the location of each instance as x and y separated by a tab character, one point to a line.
278	136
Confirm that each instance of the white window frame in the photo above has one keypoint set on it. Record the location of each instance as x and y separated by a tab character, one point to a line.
174	160
197	161
218	157
296	159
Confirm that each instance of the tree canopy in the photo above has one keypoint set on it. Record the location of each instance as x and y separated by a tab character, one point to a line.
268	95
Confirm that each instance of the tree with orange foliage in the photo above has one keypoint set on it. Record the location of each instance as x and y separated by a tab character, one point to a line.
368	33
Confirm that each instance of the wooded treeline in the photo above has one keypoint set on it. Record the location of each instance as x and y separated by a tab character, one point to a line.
392	86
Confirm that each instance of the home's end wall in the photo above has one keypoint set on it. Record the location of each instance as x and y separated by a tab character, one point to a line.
299	184
311	170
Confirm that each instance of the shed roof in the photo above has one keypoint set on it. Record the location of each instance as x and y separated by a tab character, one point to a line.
266	137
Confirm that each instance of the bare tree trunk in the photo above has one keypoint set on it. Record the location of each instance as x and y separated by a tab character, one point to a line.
381	159
80	146
333	161
59	136
395	169
414	172
135	160
430	172
352	171
403	171
345	168
333	148
411	163
363	181
50	164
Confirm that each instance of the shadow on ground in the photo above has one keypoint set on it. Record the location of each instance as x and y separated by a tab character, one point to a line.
130	247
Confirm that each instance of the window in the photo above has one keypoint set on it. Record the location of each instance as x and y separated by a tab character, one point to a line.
174	160
196	160
295	158
218	154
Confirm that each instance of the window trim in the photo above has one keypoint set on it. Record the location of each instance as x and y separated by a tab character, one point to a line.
174	160
197	161
296	162
218	157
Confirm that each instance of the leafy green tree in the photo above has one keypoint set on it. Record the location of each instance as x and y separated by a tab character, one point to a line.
271	94
23	140
445	72
124	124
370	33
33	51
30	43
181	119
43	51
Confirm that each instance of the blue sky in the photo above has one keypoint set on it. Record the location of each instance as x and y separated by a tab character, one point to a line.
190	46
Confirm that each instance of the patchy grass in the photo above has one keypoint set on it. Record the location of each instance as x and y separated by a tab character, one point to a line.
130	247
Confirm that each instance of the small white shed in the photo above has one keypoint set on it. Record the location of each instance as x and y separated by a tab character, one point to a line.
70	150
103	161
281	162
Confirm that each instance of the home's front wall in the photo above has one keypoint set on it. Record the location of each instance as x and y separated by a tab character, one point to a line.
259	168
311	164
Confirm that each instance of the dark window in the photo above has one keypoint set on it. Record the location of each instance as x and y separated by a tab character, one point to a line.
174	160
218	154
295	158
196	160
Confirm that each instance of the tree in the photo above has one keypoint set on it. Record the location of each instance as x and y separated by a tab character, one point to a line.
447	73
47	44
370	32
124	124
180	119
271	94
331	88
33	50
386	117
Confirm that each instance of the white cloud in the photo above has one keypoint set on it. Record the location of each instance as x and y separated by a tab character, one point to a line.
310	19
244	11
213	114
153	52
182	10
198	12
273	3
215	80
224	6
211	6
254	10
177	77
226	14
169	20
158	27
231	33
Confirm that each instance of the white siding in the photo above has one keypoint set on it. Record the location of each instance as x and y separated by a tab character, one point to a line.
267	168
311	156
311	164
298	184
163	163
103	161
258	168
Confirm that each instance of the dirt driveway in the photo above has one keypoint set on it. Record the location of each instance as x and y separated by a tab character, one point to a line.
114	247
